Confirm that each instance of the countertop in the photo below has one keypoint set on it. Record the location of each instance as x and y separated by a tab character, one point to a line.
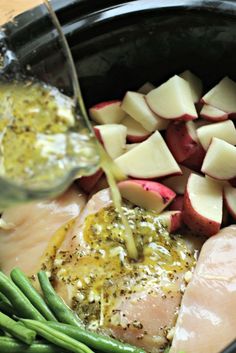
11	8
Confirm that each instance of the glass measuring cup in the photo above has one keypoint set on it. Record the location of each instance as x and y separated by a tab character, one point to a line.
72	147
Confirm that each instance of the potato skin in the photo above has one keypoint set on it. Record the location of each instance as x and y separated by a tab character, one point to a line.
180	142
196	222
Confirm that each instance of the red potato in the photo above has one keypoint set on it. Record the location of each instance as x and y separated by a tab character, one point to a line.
150	159
201	122
100	185
195	161
224	130
149	195
203	204
222	96
173	100
172	220
113	138
178	183
199	106
135	131
213	114
230	199
181	139
232	182
146	88
134	104
220	160
195	84
177	204
87	183
108	112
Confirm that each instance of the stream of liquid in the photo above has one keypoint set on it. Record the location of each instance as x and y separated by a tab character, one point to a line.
112	172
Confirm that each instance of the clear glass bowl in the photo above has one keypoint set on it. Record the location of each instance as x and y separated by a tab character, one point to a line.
59	71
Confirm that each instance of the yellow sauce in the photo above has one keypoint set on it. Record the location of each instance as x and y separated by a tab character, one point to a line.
41	140
99	270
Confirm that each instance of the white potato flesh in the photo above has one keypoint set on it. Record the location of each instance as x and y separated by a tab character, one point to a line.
134	128
173	100
195	84
134	104
220	160
224	130
211	113
223	95
113	137
149	159
205	195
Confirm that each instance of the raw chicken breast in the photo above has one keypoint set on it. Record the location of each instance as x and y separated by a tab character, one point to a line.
98	201
133	301
27	229
207	318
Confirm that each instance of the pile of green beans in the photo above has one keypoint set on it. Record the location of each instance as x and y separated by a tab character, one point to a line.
25	314
11	345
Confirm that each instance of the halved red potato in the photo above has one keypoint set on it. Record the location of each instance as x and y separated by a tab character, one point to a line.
173	100
195	84
172	220
224	130
222	96
213	114
100	185
150	159
177	204
149	195
181	139
178	183
230	199
195	161
87	183
113	138
220	160
135	131
108	112
203	204
134	104
201	122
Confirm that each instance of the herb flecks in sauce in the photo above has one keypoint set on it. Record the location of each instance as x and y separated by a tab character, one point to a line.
41	140
100	271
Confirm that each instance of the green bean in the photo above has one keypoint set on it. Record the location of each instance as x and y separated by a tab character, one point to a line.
24	284
56	337
6	309
4	299
18	300
10	345
62	312
16	330
103	343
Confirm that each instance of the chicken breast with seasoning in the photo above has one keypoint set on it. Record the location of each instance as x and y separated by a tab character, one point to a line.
26	230
135	301
207	319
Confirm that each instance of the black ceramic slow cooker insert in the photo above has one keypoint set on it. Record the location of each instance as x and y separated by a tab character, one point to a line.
118	45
